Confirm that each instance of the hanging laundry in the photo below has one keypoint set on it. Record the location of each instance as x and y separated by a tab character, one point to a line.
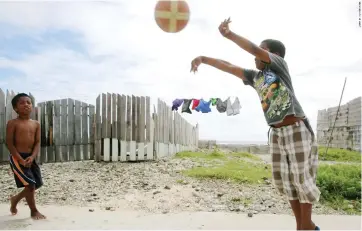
204	106
213	101
221	105
236	106
229	109
176	104
233	108
186	106
195	103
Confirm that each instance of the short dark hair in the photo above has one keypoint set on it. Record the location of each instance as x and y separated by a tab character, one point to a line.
16	98
275	46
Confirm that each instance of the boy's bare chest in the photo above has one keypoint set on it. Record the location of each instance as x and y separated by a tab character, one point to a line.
25	129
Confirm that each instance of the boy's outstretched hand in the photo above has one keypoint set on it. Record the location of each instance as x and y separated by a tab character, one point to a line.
224	27
195	64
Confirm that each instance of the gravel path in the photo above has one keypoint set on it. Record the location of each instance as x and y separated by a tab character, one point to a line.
157	187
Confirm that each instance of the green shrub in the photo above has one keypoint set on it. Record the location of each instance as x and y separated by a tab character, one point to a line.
340	186
341	155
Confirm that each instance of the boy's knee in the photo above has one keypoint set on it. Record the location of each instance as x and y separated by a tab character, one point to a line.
30	188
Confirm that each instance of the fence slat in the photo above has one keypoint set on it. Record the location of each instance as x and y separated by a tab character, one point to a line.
129	122
141	128
107	139
49	127
77	130
132	154
98	132
109	115
3	150
149	129
123	122
56	131
64	129
91	129
114	144
84	142
9	107
71	134
14	115
32	115
43	129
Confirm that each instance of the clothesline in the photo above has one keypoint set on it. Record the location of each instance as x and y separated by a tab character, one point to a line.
203	106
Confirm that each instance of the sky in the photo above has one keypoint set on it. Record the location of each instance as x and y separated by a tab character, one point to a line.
80	49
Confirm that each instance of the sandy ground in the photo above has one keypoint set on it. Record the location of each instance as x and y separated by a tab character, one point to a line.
67	217
157	187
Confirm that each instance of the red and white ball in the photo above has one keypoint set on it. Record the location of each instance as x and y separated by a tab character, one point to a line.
172	16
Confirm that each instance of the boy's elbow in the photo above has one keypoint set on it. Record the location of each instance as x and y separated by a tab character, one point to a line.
237	71
262	55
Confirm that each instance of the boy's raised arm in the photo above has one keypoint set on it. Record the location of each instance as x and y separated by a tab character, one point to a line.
243	43
10	131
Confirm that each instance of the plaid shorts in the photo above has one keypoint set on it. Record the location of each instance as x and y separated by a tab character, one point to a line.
294	162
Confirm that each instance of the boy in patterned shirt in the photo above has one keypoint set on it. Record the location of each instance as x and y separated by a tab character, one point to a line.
292	142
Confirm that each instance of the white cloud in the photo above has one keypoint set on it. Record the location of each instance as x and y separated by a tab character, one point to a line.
322	40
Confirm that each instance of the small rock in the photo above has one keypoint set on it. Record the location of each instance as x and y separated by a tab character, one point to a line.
197	189
93	194
165	211
108	208
220	194
156	192
193	186
167	187
250	214
91	210
195	194
71	180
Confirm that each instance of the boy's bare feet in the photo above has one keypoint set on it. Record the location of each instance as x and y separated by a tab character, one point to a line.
13	204
37	216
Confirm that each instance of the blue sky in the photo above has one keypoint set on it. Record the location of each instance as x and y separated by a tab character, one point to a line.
79	50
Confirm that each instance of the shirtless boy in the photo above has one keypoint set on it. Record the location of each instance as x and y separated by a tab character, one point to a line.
23	142
292	142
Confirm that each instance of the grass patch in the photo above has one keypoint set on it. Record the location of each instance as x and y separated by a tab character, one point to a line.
340	187
238	171
245	155
340	155
340	184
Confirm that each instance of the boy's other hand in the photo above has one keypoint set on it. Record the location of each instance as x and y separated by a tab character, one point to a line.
29	161
195	64
224	27
22	162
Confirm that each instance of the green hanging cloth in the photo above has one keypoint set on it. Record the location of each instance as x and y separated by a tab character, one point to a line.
213	101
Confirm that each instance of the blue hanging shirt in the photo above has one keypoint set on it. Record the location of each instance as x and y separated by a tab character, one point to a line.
203	106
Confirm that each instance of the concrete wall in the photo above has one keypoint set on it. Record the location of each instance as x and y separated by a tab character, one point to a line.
207	144
255	149
347	130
